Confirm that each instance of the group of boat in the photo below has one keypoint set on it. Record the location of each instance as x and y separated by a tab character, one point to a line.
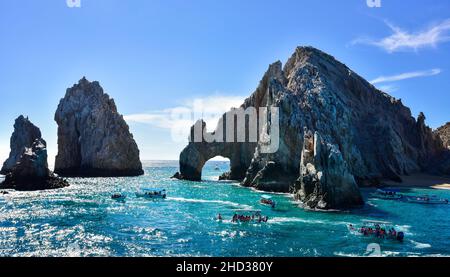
252	216
378	229
145	193
391	194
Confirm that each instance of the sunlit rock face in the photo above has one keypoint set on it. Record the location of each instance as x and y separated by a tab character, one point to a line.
93	138
30	170
370	135
25	133
444	134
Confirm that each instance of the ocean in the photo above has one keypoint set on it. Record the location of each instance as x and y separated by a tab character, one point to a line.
83	220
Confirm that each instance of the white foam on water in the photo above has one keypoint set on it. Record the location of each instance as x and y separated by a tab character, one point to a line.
221	202
420	245
405	229
342	254
281	220
266	192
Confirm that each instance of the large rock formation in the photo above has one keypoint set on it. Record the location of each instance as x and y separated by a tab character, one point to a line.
30	172
444	134
93	138
25	133
365	135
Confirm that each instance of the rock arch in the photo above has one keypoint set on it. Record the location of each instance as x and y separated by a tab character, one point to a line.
196	154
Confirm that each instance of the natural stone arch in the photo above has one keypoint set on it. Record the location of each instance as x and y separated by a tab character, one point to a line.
196	154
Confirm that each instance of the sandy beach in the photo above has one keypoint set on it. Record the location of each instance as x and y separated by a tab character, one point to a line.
422	180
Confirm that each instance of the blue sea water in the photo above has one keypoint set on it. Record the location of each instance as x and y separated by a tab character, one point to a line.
82	220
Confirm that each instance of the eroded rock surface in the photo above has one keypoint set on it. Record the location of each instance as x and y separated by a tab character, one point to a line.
325	180
369	134
30	172
93	138
25	133
444	134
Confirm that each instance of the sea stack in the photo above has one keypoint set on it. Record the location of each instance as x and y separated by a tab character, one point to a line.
24	135
93	138
336	132
30	170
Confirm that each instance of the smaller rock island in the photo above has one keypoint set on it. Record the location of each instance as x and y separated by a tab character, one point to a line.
27	168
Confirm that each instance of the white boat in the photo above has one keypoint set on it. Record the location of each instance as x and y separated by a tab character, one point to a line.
152	193
387	194
267	200
426	199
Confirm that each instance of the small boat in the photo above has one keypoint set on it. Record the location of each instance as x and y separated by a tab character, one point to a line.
118	197
426	200
267	200
152	193
377	229
387	194
249	216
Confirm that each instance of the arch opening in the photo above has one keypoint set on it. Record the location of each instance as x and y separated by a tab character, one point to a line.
217	168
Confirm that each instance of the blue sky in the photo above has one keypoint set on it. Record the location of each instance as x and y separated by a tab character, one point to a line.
153	56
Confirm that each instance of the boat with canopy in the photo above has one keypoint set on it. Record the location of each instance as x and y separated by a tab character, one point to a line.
267	200
249	216
426	199
152	193
382	230
388	194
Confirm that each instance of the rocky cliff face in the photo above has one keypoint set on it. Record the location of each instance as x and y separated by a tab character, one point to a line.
30	172
93	138
25	133
444	133
363	135
325	180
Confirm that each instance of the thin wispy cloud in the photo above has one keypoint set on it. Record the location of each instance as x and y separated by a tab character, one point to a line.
407	75
401	40
388	88
180	119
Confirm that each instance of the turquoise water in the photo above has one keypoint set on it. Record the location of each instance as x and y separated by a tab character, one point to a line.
82	220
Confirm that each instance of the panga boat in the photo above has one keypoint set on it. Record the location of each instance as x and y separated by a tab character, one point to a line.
426	199
267	200
387	194
152	193
249	216
377	229
118	196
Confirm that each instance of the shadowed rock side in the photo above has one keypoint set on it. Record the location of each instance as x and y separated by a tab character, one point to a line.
25	133
370	134
325	179
30	172
93	138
